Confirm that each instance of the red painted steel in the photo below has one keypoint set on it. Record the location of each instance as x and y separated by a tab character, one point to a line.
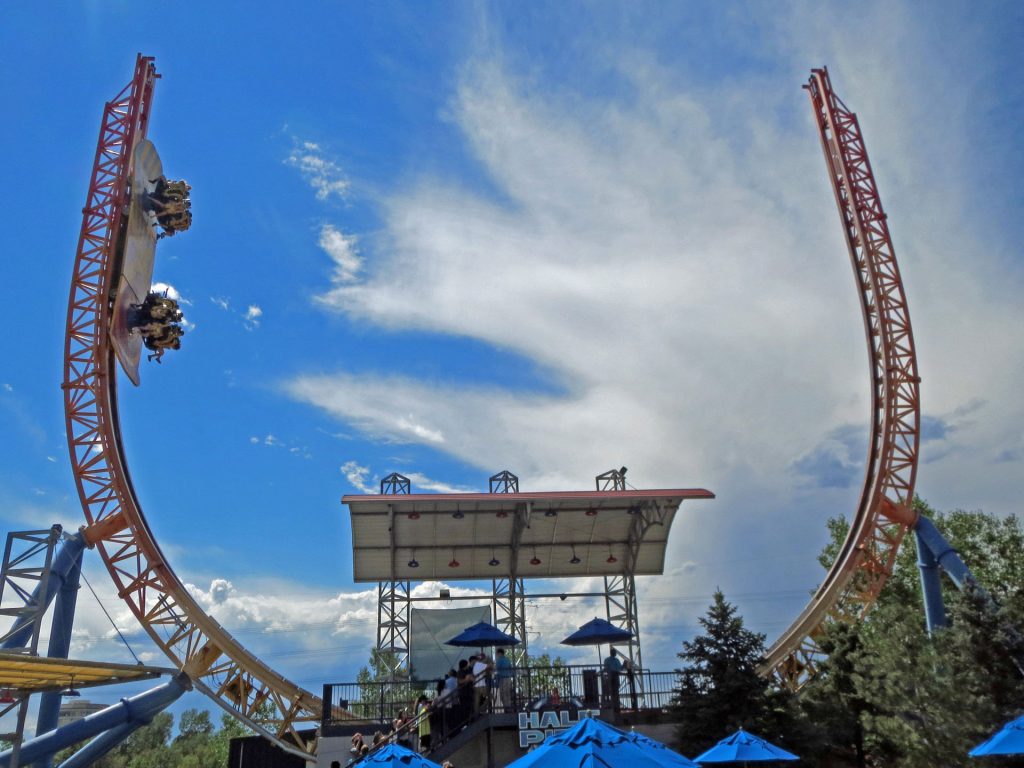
885	512
196	643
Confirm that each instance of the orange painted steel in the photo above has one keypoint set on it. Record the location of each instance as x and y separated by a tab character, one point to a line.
885	512
194	641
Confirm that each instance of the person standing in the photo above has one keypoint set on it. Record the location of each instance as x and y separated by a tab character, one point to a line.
612	670
503	676
480	669
423	720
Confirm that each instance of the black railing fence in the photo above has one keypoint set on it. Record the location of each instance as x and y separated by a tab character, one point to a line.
377	706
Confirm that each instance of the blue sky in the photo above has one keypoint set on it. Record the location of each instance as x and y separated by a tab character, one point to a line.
452	238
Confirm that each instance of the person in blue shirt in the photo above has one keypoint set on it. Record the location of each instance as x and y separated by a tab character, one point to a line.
612	670
503	677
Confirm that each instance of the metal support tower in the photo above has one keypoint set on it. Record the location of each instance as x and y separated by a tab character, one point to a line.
28	558
620	590
508	595
393	601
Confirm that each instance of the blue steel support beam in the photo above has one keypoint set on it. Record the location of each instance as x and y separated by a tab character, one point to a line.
140	709
931	587
102	744
944	553
64	562
60	644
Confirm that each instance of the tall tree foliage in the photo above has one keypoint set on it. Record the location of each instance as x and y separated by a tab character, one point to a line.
889	694
720	689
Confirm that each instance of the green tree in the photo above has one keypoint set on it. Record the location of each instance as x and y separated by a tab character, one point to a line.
889	694
379	695
720	689
543	673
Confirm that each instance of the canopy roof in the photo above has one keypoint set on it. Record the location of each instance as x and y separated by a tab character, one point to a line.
458	536
33	674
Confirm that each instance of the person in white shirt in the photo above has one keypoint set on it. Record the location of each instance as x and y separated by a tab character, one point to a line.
481	667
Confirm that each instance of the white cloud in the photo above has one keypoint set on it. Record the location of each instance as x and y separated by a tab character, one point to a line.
252	316
171	291
421	482
323	175
221	302
8	387
357	475
347	262
674	264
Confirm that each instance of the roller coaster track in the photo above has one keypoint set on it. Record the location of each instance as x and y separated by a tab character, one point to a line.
275	707
194	641
885	512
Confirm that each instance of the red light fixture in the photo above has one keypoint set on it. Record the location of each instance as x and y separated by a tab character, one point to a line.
591	512
534	560
454	563
502	514
611	557
414	515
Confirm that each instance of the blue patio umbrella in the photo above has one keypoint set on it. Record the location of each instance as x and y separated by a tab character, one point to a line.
1008	741
596	632
743	747
595	744
398	757
482	635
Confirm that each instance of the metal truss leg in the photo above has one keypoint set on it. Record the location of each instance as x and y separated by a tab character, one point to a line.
393	625
509	610
621	609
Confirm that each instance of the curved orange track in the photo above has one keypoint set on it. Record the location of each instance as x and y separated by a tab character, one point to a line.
257	695
194	641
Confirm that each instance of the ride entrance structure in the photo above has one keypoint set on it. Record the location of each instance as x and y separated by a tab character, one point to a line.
508	537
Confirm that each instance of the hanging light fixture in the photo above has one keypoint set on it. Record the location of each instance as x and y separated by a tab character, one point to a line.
413	515
458	514
503	514
414	563
611	557
494	562
575	560
550	513
591	512
70	691
454	563
534	560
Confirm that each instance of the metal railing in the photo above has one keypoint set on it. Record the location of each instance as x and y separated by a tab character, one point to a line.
377	705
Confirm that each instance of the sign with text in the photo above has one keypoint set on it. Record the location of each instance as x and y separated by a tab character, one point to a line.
534	727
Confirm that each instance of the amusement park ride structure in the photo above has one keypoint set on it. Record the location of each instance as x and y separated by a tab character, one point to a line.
216	664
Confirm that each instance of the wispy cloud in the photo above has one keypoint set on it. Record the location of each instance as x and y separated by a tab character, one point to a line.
250	317
272	441
423	483
323	174
347	262
357	475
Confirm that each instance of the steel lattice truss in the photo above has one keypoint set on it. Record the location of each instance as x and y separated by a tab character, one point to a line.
885	512
195	642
